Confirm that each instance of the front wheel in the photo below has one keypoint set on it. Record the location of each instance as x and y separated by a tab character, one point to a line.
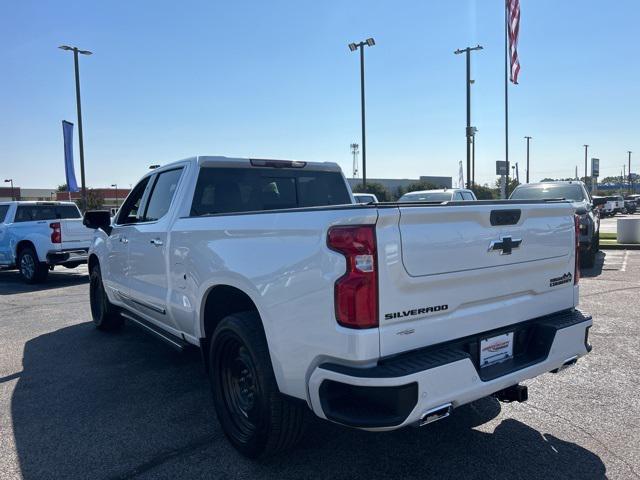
105	315
256	418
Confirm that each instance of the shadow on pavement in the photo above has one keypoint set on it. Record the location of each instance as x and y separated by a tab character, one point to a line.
94	405
11	282
596	270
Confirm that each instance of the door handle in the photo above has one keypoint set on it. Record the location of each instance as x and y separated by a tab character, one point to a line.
157	242
124	240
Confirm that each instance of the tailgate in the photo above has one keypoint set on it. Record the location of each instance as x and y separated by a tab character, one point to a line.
75	234
459	270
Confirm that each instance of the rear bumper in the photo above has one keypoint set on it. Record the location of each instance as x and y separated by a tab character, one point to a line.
398	391
76	255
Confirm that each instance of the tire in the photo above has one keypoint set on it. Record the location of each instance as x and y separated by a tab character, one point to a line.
105	315
588	258
31	269
256	418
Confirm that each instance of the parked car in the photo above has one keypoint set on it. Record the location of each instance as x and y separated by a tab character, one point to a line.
442	195
614	205
365	198
630	205
577	194
371	316
36	236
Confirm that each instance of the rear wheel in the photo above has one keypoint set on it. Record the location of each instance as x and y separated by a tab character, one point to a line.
256	418
105	315
588	258
31	269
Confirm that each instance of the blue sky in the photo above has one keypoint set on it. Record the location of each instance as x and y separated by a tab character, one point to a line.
275	79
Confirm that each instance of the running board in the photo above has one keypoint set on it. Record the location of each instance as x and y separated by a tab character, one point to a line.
170	339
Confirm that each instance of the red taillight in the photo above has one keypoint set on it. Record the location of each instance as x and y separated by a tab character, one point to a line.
356	292
576	274
56	234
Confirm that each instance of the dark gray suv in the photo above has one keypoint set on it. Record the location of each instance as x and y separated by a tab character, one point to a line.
577	194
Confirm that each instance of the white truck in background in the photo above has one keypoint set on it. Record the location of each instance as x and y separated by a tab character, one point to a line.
37	236
374	316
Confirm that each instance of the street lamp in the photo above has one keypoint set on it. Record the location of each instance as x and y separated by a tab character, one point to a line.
469	131
586	148
76	51
528	139
7	180
369	42
115	185
630	177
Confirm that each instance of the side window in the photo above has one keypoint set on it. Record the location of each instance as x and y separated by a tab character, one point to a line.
458	196
32	213
3	212
163	191
129	210
467	196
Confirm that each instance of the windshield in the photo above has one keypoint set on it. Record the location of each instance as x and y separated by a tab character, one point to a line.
426	197
542	192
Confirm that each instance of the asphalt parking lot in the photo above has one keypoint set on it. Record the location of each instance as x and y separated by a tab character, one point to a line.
78	403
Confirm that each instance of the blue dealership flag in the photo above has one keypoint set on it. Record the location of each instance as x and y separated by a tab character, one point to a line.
67	133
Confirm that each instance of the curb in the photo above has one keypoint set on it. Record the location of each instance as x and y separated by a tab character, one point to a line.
620	246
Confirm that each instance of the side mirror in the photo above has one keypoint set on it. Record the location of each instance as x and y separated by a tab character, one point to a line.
98	219
581	211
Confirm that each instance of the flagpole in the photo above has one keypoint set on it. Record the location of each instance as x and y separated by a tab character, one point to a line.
506	95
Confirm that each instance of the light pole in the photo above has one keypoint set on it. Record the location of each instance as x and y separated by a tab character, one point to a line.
76	51
630	178
10	180
586	148
115	185
469	129
528	139
369	42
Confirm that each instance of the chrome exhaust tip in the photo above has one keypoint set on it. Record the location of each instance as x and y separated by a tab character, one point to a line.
435	414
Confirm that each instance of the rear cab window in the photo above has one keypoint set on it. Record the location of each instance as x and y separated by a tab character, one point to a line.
33	213
235	190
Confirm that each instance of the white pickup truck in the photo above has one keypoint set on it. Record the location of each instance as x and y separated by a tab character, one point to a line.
372	316
36	236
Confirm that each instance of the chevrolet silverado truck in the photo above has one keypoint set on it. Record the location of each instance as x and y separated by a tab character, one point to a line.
37	236
375	316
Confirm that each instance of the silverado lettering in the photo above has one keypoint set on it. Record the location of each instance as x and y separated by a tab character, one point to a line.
415	311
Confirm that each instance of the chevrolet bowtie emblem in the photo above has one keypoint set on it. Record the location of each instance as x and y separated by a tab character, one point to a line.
505	245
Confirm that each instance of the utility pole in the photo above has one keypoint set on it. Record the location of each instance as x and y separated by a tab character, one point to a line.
469	129
79	108
370	42
528	139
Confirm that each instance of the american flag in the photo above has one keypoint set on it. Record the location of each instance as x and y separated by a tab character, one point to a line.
513	27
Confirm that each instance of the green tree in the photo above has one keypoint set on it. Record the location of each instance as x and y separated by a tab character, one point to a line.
484	192
95	201
62	188
379	190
